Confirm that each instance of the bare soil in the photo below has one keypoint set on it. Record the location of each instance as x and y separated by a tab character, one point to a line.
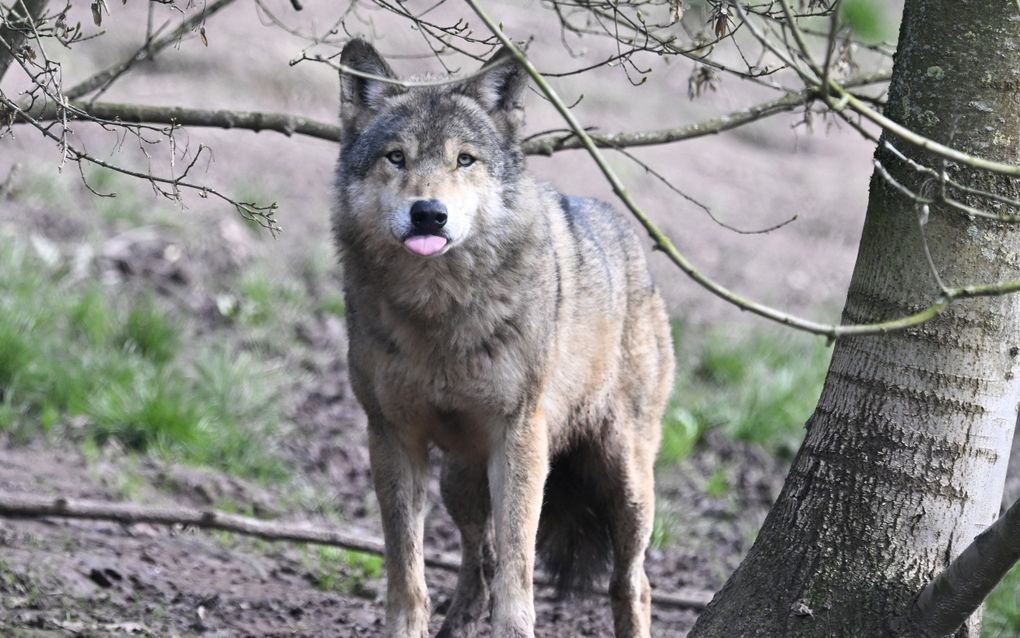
65	577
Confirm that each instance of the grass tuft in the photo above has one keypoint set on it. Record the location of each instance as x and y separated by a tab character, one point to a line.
718	485
152	412
759	388
664	527
148	331
90	317
15	351
345	570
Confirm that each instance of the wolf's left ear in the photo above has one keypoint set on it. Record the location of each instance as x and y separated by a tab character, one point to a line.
499	87
361	95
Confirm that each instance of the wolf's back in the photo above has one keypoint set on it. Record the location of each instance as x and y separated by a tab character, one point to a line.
611	285
609	264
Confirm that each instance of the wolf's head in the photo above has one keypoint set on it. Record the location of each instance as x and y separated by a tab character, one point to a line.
425	169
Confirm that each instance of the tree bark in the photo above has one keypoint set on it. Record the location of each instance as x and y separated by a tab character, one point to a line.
1012	492
905	455
946	602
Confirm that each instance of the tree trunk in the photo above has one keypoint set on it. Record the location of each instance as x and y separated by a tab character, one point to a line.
905	455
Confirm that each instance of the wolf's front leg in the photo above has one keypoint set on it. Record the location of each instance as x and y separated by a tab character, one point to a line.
517	469
399	472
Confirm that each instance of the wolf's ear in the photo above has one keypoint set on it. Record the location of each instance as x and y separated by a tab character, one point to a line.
499	87
360	95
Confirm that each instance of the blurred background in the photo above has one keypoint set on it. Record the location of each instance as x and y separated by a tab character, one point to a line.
173	353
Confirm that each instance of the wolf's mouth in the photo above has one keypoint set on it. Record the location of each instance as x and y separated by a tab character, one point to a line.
425	245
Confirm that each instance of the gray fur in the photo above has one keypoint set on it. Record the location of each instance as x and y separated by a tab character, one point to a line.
536	337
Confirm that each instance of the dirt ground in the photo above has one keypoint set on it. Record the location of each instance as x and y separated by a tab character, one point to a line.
81	578
97	579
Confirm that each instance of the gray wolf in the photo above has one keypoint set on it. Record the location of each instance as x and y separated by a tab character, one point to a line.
512	327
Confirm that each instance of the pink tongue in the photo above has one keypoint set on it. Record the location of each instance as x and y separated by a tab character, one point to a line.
425	244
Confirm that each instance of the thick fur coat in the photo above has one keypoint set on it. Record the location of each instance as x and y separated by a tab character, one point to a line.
515	328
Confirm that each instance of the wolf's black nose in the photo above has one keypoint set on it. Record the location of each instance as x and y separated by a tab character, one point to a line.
428	216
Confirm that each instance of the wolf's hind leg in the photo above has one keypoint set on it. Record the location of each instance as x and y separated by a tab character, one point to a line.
465	489
632	513
400	475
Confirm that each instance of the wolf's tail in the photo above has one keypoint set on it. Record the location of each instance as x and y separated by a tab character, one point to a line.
574	543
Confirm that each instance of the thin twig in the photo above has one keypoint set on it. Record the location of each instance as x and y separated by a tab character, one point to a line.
665	181
838	98
407	84
551	143
148	51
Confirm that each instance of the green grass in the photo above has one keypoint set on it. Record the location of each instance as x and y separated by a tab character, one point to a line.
868	20
266	300
344	570
119	370
46	187
90	317
759	388
1002	608
332	305
718	485
149	332
664	526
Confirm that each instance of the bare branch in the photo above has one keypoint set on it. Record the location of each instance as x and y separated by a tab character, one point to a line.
545	144
551	143
263	215
181	116
407	84
704	208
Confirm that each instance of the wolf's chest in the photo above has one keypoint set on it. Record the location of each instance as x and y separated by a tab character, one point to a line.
456	402
456	375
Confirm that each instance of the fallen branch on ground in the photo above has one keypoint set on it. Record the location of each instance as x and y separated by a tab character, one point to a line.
30	506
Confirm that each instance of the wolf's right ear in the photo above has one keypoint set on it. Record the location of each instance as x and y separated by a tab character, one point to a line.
499	87
361	95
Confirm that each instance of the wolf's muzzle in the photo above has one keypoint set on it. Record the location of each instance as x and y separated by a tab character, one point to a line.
428	216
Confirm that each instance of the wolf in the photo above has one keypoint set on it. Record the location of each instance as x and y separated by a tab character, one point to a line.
512	327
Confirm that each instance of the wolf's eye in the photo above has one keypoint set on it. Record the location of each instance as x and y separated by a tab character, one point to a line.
396	158
465	159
